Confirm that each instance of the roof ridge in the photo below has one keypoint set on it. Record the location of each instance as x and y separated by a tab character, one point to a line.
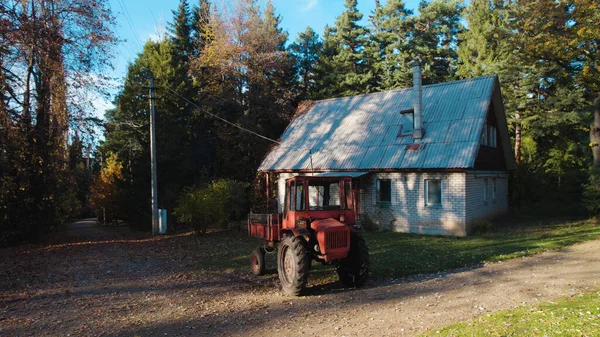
410	88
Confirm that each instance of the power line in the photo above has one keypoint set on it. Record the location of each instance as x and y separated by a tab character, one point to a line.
219	117
130	22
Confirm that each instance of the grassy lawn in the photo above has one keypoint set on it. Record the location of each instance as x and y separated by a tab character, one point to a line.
397	254
573	316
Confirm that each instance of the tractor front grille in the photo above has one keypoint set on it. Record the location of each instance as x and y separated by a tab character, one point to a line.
336	239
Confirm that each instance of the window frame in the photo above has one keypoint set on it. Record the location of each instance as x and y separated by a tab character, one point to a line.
326	192
489	136
379	201
484	136
286	201
292	196
429	204
408	127
494	191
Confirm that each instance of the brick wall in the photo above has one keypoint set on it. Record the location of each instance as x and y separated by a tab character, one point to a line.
407	211
477	208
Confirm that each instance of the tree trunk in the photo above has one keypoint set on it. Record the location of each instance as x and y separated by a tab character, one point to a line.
517	138
595	135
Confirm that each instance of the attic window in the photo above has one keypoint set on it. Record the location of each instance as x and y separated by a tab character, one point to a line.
489	136
407	126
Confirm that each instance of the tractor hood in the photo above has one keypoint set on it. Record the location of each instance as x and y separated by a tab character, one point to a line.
322	224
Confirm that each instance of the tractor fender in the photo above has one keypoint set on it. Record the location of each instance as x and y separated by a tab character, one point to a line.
303	232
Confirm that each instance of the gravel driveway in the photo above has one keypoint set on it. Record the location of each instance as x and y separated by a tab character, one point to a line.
105	281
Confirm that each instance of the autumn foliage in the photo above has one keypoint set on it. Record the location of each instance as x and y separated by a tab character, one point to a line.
50	54
104	191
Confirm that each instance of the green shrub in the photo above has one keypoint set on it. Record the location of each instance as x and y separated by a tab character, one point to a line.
212	206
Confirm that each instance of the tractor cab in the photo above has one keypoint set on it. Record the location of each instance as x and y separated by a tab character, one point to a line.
315	198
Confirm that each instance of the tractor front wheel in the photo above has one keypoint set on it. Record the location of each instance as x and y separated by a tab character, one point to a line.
293	264
257	261
354	269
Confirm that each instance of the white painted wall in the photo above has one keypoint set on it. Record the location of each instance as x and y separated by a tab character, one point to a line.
281	189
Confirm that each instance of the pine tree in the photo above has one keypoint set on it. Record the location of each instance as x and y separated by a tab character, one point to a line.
200	23
306	49
389	45
181	30
350	39
434	38
327	75
485	48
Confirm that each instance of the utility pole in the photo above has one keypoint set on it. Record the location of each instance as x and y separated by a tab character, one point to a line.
154	191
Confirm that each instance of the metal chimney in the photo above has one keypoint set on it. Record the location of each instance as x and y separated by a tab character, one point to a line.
417	100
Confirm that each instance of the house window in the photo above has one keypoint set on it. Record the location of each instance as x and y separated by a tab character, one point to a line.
484	136
492	136
384	190
489	136
407	126
485	197
433	192
493	190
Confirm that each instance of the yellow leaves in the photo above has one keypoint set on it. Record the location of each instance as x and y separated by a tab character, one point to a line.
112	170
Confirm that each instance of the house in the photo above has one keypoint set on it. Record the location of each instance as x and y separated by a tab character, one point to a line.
430	159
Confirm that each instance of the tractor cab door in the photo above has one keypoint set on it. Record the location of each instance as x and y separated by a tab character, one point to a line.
294	205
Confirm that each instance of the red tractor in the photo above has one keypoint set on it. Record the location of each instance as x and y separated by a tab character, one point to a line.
318	222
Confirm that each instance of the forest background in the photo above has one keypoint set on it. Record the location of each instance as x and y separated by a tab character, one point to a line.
236	63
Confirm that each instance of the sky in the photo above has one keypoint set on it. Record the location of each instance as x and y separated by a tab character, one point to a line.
139	20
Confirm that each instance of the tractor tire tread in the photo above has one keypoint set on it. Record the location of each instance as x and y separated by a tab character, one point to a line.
297	285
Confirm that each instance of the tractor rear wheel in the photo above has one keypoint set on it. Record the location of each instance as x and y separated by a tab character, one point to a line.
257	261
354	269
293	264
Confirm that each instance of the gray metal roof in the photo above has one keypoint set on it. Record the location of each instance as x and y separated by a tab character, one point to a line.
361	132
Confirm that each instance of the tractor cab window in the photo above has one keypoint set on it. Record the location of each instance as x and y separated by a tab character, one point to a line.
291	195
324	195
300	204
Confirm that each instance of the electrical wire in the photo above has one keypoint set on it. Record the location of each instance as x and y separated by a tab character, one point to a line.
130	22
219	117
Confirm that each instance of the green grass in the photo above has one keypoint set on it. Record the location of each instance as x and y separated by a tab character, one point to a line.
573	316
397	254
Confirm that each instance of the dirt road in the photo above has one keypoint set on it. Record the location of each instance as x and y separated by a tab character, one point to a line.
106	281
